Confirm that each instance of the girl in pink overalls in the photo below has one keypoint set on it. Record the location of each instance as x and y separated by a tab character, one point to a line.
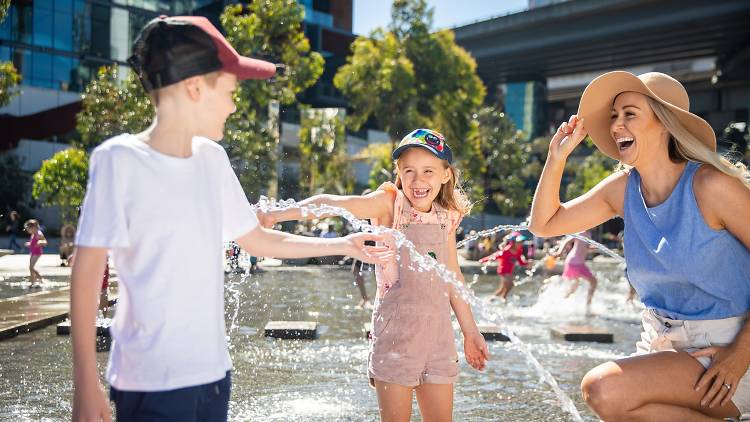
36	243
413	346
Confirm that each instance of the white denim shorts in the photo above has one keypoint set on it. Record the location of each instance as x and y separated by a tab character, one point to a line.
665	334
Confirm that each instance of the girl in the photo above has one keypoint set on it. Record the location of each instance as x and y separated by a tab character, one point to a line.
413	347
508	254
686	247
575	265
36	243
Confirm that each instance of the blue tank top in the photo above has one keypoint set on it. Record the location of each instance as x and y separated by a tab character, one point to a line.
679	265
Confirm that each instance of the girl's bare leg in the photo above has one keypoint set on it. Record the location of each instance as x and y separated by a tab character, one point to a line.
573	287
435	402
394	401
655	387
592	288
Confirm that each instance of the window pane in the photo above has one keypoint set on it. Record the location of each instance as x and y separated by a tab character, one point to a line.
41	69
42	24
63	31
61	73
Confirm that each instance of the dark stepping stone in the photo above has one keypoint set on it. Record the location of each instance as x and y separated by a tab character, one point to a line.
368	330
102	328
306	330
582	333
492	332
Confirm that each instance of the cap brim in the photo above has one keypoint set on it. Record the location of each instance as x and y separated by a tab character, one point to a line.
596	110
247	68
400	150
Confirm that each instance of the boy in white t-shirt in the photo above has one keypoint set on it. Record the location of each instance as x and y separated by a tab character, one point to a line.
163	202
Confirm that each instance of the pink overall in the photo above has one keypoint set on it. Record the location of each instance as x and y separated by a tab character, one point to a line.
412	336
34	248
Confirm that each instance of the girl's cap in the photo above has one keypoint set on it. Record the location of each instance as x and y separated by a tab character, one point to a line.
427	139
171	49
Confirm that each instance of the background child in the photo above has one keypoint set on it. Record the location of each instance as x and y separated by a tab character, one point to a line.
509	252
412	347
36	245
163	202
575	265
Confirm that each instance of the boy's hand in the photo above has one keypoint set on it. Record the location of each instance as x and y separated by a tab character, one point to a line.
265	219
370	254
476	351
90	403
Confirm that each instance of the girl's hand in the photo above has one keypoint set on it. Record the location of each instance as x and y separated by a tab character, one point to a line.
27	244
724	374
567	137
370	254
265	219
476	351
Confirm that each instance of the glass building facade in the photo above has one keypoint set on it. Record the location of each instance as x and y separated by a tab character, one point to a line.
60	44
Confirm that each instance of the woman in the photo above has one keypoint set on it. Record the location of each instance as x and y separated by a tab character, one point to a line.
686	213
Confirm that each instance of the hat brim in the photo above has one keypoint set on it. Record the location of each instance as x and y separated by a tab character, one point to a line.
596	110
400	150
247	68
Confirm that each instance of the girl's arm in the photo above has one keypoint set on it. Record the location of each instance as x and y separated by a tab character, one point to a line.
378	204
475	348
42	241
561	248
550	217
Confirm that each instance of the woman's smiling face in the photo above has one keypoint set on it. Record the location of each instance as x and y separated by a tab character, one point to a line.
422	175
635	128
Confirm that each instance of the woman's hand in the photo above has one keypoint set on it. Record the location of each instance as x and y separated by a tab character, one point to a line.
728	366
567	137
476	351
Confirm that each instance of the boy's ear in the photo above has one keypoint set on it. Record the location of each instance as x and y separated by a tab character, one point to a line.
193	86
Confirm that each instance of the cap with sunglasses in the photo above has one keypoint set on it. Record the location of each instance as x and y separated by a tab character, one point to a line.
171	49
428	139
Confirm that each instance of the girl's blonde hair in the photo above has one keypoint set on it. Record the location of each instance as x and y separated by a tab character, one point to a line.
451	195
30	223
684	146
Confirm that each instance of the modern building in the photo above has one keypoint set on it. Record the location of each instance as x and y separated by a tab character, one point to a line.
536	63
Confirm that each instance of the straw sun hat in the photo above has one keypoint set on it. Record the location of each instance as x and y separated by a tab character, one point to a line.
599	95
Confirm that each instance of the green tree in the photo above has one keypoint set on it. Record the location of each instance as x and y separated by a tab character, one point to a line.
61	181
112	105
592	170
9	77
271	30
406	77
324	162
15	184
497	165
378	156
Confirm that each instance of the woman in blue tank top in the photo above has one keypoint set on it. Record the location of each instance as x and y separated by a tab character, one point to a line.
687	239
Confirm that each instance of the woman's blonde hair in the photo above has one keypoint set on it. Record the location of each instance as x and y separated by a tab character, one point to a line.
451	195
684	146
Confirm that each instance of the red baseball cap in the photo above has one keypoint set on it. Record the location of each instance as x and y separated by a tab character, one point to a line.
171	49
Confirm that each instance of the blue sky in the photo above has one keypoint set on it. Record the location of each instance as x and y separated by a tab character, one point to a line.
369	14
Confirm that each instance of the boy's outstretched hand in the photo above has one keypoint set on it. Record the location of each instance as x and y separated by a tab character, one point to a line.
370	254
476	351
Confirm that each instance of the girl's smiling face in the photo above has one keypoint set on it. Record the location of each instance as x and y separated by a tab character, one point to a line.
422	175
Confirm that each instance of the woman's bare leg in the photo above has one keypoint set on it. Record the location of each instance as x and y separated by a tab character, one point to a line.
655	387
394	401
435	402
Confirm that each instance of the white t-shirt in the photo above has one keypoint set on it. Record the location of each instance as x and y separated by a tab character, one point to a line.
165	220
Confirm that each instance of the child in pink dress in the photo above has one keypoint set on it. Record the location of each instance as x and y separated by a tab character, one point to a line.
510	253
575	265
413	347
36	245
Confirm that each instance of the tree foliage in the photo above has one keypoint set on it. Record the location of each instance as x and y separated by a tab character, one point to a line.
113	103
497	165
592	170
324	162
15	185
9	77
61	181
407	77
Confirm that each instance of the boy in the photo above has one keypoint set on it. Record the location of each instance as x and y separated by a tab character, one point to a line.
163	202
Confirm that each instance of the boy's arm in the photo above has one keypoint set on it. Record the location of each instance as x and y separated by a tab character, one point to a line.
475	347
89	400
266	242
373	205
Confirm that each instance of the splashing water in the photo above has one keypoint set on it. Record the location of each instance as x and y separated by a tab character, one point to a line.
425	263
